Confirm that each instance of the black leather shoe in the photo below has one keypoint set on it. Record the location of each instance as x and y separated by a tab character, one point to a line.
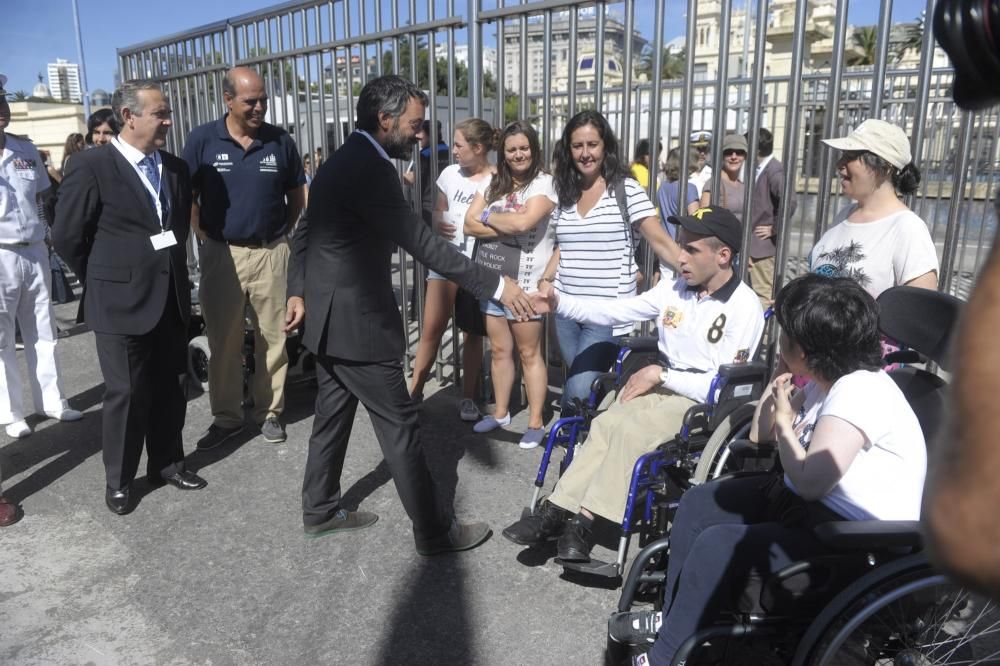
119	501
546	525
184	480
575	543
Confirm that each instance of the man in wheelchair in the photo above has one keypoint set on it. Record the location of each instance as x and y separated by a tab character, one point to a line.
850	447
705	318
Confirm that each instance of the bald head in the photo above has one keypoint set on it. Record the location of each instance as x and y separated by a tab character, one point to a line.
246	99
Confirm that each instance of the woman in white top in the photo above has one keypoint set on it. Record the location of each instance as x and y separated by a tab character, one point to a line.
457	186
511	223
877	240
596	240
850	445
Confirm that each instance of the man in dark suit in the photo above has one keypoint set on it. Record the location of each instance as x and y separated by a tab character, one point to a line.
122	226
340	284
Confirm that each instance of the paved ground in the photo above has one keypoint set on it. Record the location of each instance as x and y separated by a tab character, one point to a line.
225	576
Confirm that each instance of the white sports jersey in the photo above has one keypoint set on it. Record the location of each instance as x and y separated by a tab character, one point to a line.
697	334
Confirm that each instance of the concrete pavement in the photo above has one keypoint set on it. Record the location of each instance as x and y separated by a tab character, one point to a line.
225	576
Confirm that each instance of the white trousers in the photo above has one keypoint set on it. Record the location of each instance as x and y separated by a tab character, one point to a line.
25	285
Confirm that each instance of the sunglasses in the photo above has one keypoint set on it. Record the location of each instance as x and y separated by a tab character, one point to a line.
733	151
851	155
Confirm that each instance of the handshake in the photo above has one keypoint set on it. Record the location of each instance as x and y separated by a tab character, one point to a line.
525	306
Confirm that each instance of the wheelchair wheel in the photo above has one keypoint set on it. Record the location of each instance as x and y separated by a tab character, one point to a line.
198	358
714	460
904	614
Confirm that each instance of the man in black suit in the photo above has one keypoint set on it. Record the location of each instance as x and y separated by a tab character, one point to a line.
122	226
340	284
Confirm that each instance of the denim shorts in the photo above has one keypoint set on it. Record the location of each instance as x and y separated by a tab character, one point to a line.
434	275
498	309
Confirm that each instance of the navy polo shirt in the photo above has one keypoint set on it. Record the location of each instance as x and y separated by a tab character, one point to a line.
243	192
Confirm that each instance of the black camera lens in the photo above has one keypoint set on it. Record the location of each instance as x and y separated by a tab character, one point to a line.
969	32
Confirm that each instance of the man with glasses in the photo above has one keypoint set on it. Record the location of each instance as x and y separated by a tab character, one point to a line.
25	284
249	189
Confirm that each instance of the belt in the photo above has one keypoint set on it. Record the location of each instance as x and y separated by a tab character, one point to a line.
17	244
253	243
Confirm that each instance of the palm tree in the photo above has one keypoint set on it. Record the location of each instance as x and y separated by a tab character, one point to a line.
865	46
19	96
912	37
673	63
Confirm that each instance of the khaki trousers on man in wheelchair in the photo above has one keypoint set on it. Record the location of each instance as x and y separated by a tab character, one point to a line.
598	479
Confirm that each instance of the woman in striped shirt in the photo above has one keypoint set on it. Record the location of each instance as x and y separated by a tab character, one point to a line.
595	256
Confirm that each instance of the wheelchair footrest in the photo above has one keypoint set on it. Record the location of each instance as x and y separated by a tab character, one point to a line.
593	568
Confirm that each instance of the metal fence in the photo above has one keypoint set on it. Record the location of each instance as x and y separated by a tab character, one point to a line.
315	55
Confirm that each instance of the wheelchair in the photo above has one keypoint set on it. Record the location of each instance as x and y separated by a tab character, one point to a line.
687	458
873	598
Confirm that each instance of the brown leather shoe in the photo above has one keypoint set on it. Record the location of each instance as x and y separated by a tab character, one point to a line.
9	513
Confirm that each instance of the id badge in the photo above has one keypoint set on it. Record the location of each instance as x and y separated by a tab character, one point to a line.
163	239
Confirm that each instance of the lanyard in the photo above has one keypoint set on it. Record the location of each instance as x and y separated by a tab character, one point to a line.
155	193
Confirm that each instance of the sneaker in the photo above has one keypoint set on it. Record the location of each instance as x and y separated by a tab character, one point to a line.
342	521
458	537
467	411
216	435
18	429
65	414
635	627
545	525
491	423
272	430
532	438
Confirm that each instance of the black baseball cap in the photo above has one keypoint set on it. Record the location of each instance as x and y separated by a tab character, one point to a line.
712	221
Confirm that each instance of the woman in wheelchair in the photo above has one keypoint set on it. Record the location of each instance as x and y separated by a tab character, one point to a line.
849	445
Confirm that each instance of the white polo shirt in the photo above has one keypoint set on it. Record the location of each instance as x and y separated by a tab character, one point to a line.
22	178
696	334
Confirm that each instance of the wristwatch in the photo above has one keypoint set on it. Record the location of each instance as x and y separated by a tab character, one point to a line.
663	376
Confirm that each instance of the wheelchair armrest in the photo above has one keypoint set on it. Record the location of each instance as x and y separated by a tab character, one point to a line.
744	448
604	382
753	369
870	534
903	356
644	343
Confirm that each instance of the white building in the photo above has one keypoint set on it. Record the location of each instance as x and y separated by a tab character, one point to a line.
462	56
586	43
64	81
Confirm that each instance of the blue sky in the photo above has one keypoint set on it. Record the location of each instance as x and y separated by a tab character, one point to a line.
37	32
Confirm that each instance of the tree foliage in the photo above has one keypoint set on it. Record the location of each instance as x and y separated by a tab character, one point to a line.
673	63
913	38
865	42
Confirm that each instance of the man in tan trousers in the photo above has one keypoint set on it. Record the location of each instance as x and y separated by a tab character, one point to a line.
249	190
705	318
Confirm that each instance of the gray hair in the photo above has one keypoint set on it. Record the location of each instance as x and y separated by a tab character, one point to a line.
126	96
387	94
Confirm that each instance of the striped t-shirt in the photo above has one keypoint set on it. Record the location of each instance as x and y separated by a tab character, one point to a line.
594	258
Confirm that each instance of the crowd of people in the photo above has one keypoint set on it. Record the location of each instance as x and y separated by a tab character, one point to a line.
507	243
